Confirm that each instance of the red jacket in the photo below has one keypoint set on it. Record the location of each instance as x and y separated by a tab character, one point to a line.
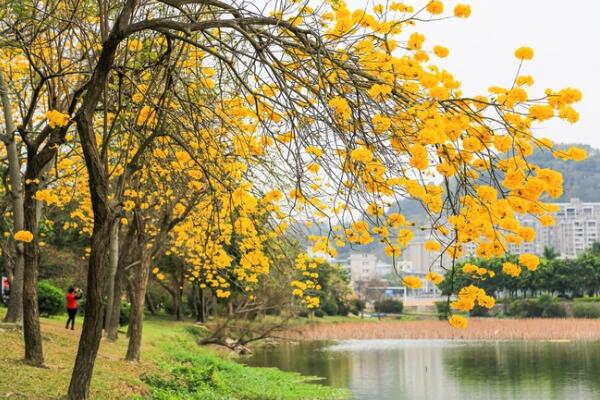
71	301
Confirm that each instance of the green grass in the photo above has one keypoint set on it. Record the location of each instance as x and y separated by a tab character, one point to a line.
204	374
172	367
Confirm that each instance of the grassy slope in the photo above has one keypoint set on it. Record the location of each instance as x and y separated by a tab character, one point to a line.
169	355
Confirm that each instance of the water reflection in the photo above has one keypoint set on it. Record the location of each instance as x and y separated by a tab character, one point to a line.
437	369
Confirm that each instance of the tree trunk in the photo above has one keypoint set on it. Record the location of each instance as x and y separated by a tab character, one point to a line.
178	305
136	319
150	303
92	322
113	257
112	329
15	302
201	305
103	213
31	318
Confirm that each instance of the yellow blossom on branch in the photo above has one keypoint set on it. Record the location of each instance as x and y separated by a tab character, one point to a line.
24	236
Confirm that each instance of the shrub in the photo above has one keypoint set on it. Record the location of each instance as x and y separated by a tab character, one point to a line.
554	310
124	313
479	311
357	306
443	309
389	306
544	307
551	308
329	306
586	310
319	313
587	299
524	308
343	308
51	300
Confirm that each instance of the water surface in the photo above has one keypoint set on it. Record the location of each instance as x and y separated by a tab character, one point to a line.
443	369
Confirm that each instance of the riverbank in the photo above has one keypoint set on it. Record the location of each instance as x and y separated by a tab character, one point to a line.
172	367
479	329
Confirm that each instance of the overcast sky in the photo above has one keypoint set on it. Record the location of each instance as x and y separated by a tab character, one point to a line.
564	35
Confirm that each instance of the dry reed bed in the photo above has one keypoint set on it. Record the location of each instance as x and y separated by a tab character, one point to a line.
479	329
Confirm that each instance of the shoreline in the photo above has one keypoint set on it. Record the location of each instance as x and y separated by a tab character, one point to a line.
488	329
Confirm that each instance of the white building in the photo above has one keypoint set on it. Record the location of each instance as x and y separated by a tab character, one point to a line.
576	229
362	267
418	260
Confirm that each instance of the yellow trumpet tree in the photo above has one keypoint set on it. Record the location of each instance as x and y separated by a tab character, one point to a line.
341	109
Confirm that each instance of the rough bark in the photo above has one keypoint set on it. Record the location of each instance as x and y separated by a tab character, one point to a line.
124	256
136	320
177	302
31	318
199	304
150	304
112	327
15	302
112	296
103	212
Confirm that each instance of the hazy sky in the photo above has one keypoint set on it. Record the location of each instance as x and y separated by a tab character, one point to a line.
564	35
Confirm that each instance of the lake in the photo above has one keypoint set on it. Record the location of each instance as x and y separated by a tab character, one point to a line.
443	369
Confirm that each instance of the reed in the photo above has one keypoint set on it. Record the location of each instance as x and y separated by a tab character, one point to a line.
478	329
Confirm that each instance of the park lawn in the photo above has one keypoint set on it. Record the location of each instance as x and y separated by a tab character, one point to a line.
172	367
113	377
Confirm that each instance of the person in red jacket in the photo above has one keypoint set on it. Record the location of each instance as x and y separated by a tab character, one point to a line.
72	296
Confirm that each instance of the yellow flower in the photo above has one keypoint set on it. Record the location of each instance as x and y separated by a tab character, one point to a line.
137	98
511	269
469	268
530	261
412	282
486	301
315	151
434	277
393	251
577	154
524	53
457	321
24	236
415	41
361	154
432	245
462	10
440	51
56	119
435	7
135	45
486	193
540	112
341	107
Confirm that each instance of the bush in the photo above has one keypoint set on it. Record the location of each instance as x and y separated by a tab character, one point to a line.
551	308
389	306
319	313
357	306
543	307
587	299
524	308
51	300
124	313
443	309
329	306
479	311
586	310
